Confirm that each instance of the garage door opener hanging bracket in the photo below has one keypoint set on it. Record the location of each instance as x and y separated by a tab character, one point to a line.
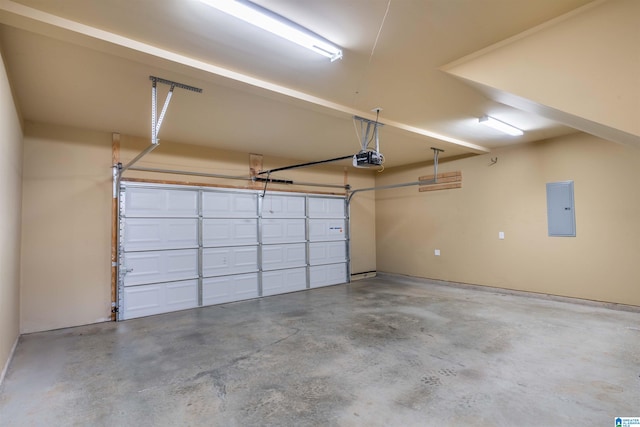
156	123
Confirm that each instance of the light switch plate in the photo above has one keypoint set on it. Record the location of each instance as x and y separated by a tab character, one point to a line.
437	252
501	235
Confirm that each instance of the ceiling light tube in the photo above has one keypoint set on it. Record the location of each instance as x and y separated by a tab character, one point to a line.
499	125
276	24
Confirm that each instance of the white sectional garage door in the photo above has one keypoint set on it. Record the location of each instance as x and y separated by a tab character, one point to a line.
185	247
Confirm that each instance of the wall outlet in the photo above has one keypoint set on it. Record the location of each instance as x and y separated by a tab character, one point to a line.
436	252
501	235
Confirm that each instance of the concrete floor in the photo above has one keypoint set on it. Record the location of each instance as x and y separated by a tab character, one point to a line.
380	352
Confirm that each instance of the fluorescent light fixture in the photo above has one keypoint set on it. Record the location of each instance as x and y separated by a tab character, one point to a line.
276	24
501	126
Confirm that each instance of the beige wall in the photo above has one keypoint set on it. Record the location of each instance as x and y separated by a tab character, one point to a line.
363	227
66	219
67	215
10	196
600	263
65	227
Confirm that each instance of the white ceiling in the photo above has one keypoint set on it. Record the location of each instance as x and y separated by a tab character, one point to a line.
263	94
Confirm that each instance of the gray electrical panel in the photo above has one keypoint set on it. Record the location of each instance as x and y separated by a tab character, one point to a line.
561	216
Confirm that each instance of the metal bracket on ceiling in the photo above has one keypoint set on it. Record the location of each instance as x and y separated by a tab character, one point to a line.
436	152
156	121
155	125
368	132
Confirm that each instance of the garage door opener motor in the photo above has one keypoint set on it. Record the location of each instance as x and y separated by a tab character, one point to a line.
368	157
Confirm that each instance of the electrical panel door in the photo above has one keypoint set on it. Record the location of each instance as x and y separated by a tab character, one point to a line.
560	209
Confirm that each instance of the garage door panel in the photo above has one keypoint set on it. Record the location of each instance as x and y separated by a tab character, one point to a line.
276	257
146	300
229	205
183	247
229	232
222	261
159	233
156	202
160	266
283	230
327	252
282	281
279	206
325	207
182	294
327	229
218	290
326	275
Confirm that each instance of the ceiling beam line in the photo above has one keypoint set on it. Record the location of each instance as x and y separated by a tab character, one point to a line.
31	19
